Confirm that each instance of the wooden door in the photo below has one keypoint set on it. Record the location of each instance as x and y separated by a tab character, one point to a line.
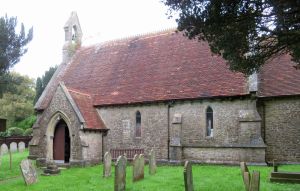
59	142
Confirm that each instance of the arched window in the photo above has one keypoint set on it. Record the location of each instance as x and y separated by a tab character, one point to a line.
74	33
209	122
138	120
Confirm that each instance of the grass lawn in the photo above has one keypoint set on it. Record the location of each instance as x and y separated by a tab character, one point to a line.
167	178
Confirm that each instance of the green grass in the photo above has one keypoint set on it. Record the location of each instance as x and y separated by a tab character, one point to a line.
167	178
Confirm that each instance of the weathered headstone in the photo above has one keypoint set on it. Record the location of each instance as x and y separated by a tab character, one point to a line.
246	179
4	149
255	181
141	166
135	166
21	146
188	176
244	168
13	147
107	165
138	167
245	175
28	172
120	173
152	162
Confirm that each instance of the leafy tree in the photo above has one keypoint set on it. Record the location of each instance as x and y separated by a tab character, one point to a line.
17	101
42	82
26	123
38	89
12	45
246	33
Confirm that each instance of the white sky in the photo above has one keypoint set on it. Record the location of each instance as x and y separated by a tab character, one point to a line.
104	19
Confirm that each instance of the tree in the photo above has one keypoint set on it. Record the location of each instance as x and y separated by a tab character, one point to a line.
12	45
38	89
17	101
245	33
42	82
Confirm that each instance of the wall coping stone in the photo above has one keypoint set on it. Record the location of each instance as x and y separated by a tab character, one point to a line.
262	146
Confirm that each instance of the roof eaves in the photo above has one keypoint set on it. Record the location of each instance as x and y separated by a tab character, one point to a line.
73	104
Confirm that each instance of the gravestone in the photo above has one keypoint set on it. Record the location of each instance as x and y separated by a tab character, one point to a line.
244	167
138	167
255	181
152	162
251	182
188	176
4	149
120	173
246	179
28	171
141	166
21	146
107	165
13	147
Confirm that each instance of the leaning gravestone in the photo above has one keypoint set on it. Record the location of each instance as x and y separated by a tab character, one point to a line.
188	176
4	149
245	175
255	181
244	167
21	147
13	147
247	179
120	173
107	165
152	162
138	167
28	172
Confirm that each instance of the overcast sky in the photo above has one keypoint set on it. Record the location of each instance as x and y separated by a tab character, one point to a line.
100	20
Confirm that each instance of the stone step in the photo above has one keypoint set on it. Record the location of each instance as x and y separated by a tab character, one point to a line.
285	180
63	165
49	171
290	175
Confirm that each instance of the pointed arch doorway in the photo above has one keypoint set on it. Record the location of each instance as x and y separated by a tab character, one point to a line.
61	143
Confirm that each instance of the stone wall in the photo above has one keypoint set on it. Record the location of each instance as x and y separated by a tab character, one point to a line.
91	143
187	123
227	128
121	124
282	129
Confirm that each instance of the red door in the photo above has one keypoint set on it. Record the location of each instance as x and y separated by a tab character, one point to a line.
59	142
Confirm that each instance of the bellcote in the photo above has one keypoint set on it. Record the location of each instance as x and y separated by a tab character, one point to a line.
73	36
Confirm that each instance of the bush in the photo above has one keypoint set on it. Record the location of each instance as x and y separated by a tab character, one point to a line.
28	132
15	131
3	134
26	123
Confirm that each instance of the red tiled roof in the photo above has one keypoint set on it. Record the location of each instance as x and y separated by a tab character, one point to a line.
278	77
50	89
89	113
156	67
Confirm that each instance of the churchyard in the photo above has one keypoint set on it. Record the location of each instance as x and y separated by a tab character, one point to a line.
205	177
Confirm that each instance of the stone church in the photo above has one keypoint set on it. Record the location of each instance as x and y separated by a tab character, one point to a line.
163	91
